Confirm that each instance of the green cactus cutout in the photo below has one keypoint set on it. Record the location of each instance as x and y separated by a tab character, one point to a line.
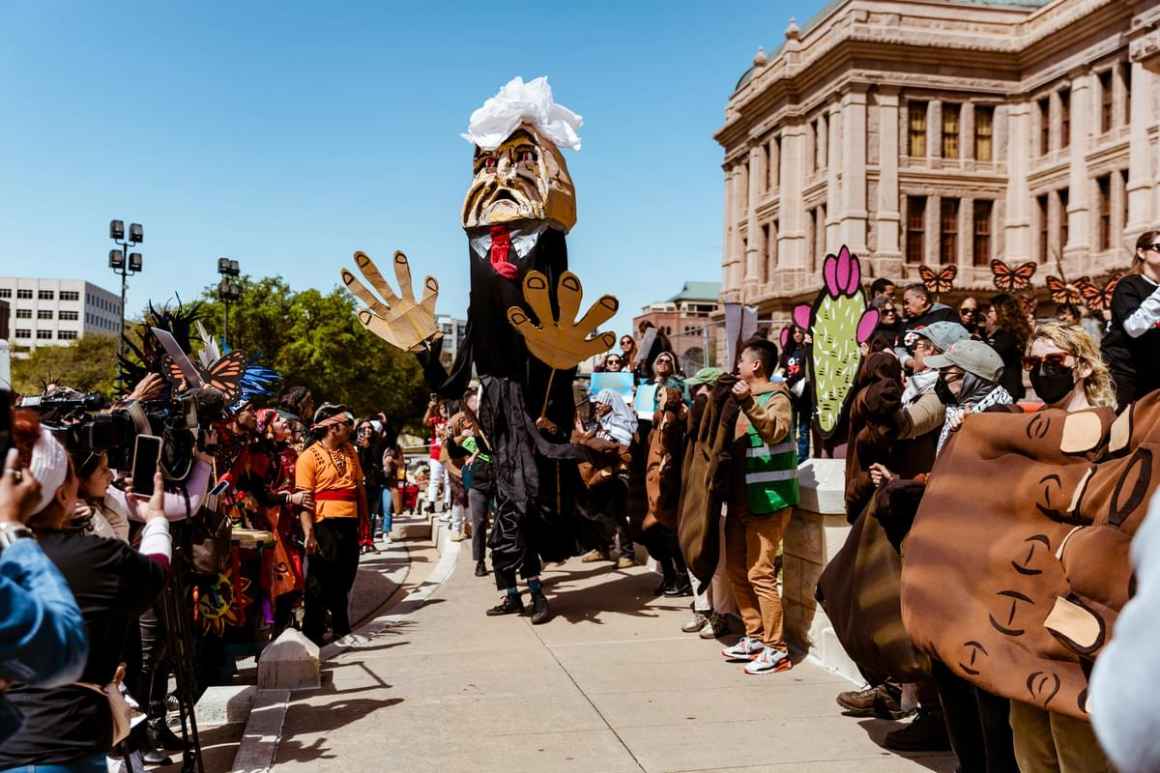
838	323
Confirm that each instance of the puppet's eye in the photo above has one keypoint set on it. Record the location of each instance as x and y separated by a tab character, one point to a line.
526	156
489	162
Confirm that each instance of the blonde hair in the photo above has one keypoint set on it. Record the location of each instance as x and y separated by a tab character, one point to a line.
1076	341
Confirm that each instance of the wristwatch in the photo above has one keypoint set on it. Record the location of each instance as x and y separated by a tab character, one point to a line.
10	532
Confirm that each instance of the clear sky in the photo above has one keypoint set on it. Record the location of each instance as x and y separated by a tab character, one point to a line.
287	135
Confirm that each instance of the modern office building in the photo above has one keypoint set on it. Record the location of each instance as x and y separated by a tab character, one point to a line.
454	331
943	132
54	312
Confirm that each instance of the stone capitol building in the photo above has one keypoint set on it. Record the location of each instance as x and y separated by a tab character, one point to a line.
943	131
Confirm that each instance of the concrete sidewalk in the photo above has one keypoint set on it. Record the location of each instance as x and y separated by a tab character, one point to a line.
611	684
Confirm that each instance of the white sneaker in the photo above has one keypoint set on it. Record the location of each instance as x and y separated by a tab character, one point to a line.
744	650
351	640
768	662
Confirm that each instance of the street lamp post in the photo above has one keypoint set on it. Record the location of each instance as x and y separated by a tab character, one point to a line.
124	263
229	289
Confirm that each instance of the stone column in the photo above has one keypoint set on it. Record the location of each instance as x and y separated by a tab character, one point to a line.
933	226
889	217
1140	153
967	132
824	146
934	129
774	166
727	240
832	228
791	241
1018	225
854	169
966	235
754	244
740	205
1079	195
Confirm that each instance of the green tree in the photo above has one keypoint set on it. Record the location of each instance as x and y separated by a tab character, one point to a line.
314	339
88	364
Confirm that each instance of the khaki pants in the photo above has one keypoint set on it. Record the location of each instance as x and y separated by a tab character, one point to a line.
751	544
1046	742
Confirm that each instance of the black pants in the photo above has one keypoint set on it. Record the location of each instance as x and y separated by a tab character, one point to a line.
478	500
977	723
330	575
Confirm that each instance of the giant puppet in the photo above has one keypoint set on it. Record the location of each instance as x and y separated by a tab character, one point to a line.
522	339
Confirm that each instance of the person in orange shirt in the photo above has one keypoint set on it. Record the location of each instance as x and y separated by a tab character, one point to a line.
329	471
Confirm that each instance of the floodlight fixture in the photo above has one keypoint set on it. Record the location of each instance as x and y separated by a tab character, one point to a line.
136	233
117	230
116	260
135	261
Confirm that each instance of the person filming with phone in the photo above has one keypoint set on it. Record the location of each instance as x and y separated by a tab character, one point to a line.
76	725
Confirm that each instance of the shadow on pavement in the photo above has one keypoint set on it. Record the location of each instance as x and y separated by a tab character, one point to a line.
876	729
620	594
303	718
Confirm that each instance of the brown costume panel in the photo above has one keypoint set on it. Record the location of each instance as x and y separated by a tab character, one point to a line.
1017	564
705	475
666	447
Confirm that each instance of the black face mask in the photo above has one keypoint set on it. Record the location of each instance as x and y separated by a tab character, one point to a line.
1052	382
944	393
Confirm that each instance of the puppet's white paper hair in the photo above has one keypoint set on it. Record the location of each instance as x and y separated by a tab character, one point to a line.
520	102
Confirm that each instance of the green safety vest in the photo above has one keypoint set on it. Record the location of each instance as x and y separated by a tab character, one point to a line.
771	482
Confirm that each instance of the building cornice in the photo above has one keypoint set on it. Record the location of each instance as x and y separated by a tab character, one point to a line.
998	44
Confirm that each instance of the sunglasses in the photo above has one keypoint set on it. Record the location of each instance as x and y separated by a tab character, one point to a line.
1154	247
1057	359
965	312
888	311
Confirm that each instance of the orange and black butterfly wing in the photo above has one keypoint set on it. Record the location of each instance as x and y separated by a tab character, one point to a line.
175	375
946	278
1002	275
1022	275
1062	292
225	375
929	278
1093	297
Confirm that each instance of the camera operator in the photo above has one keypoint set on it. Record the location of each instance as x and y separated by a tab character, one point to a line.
77	725
42	633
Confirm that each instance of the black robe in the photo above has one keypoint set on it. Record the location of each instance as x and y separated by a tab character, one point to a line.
535	471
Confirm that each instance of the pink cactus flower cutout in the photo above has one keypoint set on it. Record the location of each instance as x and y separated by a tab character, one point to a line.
801	316
867	324
842	273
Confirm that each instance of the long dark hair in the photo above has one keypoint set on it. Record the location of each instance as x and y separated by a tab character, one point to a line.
1010	318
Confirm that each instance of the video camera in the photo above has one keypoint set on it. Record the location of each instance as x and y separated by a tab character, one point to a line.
84	423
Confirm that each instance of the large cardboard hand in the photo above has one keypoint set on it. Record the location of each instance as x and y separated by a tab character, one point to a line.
401	322
558	340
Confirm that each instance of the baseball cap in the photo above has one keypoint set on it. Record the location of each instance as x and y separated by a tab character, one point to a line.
972	356
944	334
705	376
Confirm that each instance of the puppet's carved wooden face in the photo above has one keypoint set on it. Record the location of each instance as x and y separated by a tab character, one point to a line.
524	179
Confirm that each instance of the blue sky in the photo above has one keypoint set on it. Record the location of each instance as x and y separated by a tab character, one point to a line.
287	135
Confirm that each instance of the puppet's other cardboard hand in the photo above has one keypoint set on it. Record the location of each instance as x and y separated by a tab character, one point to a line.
402	322
560	342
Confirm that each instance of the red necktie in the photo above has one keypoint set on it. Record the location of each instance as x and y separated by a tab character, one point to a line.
501	244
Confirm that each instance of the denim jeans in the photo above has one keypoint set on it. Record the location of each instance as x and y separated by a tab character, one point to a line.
387	512
94	763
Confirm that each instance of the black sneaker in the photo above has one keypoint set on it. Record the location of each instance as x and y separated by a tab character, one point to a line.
927	733
540	611
480	569
161	737
511	605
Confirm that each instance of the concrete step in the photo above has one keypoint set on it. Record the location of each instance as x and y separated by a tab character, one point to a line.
414	526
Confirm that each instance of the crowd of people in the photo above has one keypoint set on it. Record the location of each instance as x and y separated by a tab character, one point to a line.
117	605
264	527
